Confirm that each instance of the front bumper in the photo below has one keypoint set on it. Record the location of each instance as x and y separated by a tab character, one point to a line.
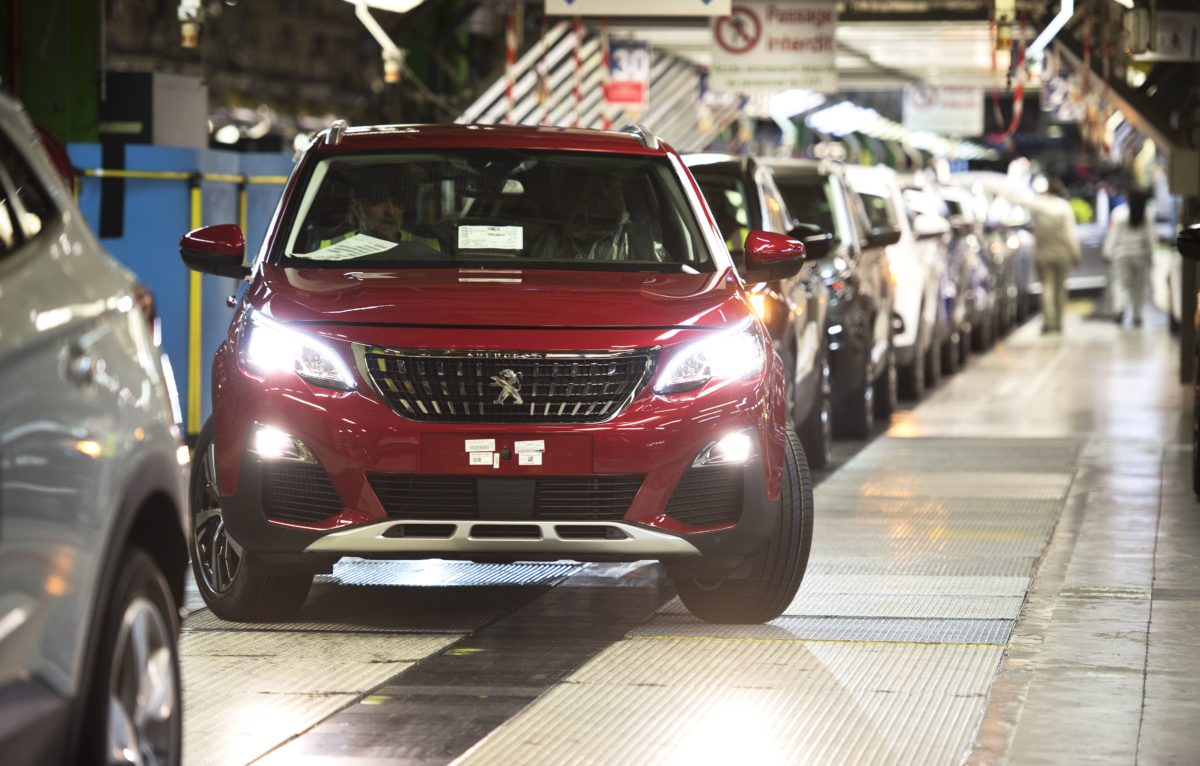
356	439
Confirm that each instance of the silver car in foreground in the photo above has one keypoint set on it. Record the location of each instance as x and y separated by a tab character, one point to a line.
93	548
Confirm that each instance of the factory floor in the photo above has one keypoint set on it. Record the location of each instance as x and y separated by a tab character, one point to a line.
1010	573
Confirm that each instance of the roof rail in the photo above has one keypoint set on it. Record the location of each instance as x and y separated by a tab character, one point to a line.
644	134
336	129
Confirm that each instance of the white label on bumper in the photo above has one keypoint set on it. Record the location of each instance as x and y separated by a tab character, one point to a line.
529	458
530	446
481	458
481	445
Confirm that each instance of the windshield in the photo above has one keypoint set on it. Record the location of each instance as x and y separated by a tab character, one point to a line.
514	209
810	200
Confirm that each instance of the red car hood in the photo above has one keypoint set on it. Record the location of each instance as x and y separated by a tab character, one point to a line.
532	298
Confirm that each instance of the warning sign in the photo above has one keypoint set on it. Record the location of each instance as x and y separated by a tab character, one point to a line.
951	111
767	47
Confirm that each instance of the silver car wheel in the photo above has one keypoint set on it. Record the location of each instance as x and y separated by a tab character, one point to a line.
142	696
215	551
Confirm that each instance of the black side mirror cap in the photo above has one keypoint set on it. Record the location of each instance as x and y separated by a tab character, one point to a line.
882	237
1189	243
817	243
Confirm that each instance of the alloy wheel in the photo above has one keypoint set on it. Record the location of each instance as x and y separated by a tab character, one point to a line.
142	698
218	556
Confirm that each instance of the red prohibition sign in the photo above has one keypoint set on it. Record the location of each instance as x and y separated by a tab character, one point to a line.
739	31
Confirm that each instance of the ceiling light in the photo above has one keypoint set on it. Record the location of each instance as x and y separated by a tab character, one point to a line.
395	6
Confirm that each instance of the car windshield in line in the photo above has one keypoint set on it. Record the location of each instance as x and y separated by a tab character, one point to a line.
502	208
810	200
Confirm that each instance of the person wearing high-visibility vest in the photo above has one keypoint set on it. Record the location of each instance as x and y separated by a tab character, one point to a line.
379	209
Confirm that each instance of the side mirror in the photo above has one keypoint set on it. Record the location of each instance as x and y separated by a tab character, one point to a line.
1189	243
771	256
882	237
817	243
216	250
926	226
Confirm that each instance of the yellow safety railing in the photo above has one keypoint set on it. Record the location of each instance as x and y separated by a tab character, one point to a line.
195	279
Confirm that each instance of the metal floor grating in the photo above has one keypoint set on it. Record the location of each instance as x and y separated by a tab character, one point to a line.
918	606
850	629
386	609
1002	455
926	508
444	573
762	702
1015	486
926	548
997	566
914	585
246	692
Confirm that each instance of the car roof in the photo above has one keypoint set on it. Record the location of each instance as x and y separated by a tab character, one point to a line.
792	168
449	136
717	162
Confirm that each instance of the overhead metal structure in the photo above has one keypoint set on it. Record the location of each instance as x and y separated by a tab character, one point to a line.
544	91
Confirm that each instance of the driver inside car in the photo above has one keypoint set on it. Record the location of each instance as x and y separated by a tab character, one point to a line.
379	208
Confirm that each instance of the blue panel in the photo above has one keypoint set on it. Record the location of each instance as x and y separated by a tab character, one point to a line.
158	213
262	198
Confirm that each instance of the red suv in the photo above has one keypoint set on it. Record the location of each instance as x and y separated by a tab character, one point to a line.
497	344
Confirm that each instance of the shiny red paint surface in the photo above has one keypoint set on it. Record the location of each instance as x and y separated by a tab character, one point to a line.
355	433
224	239
766	248
497	298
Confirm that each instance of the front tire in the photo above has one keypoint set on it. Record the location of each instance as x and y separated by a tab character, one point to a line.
232	582
912	375
856	416
887	388
775	571
135	707
816	432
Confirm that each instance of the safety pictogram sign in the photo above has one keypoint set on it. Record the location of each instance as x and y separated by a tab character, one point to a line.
738	32
768	47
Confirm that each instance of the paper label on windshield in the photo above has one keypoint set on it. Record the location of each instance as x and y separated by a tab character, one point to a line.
491	238
358	246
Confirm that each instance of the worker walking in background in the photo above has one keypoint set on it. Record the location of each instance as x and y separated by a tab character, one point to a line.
1129	246
1057	251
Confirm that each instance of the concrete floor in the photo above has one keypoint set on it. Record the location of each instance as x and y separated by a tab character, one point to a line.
1008	575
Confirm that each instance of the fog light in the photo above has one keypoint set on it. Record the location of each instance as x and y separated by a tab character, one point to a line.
272	444
734	448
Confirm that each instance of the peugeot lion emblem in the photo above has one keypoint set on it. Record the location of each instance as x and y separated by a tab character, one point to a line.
509	383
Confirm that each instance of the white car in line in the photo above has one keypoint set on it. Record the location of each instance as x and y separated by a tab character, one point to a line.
918	271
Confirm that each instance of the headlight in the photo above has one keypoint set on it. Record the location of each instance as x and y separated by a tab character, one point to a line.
269	346
732	355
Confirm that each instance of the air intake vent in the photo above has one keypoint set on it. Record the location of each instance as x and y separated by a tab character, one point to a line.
548	498
508	386
298	493
708	496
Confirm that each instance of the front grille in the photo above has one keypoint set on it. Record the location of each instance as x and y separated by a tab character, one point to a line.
298	492
708	495
507	386
551	498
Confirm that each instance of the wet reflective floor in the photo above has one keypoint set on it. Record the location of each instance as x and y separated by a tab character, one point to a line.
1009	574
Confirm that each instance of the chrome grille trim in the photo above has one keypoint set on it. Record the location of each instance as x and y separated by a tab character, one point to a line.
451	385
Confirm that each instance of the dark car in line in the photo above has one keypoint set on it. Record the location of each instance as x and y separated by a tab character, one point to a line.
503	344
1189	247
860	322
743	196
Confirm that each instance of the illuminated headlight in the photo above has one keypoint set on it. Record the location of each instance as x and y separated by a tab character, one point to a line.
271	347
270	443
732	449
1014	243
732	355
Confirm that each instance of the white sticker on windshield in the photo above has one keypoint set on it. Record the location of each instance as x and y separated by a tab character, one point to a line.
491	238
358	246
